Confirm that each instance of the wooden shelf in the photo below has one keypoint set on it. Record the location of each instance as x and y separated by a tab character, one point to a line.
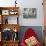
9	8
10	43
4	13
10	26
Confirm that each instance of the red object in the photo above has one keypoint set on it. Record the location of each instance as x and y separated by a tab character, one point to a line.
29	33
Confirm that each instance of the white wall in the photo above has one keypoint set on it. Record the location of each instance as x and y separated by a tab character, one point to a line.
27	4
6	3
32	4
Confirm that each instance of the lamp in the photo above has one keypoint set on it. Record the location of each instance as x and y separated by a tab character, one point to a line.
15	3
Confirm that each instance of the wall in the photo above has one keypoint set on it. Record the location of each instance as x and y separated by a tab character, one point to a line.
32	4
28	22
27	4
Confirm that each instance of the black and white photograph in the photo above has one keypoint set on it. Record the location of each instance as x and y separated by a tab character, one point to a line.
29	13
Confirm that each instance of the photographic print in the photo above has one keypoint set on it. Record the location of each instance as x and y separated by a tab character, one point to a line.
29	13
5	12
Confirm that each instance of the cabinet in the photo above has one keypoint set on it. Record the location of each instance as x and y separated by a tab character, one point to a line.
9	26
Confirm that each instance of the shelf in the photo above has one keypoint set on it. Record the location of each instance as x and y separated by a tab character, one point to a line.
5	8
11	41
9	11
11	15
8	15
10	26
12	19
6	12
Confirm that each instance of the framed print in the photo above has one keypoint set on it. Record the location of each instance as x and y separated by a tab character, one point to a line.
5	12
29	13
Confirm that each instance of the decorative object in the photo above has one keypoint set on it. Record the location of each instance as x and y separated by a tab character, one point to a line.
13	12
29	13
7	34
15	30
15	3
30	38
5	12
31	41
15	36
6	21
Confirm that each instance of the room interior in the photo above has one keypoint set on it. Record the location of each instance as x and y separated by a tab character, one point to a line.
16	16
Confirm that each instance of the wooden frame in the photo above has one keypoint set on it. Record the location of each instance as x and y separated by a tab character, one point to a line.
29	12
5	12
6	24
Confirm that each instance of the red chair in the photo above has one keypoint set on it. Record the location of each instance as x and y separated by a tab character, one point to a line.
29	33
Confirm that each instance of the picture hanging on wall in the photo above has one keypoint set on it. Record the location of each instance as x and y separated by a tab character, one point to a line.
29	13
